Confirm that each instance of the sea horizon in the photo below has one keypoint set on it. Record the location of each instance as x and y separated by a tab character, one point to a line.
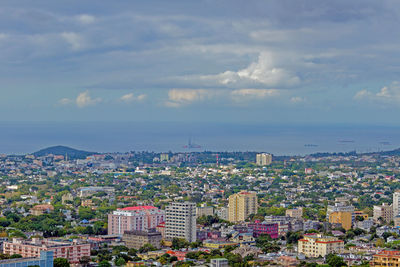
278	139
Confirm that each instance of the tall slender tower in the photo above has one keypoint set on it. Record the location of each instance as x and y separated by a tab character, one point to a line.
241	205
396	203
181	221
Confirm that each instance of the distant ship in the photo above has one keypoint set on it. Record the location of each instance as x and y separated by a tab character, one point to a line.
191	145
384	143
346	141
310	145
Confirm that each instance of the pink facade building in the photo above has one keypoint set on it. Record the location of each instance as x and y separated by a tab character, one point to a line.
140	218
71	251
270	229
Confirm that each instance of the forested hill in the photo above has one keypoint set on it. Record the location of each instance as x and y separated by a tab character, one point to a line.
64	150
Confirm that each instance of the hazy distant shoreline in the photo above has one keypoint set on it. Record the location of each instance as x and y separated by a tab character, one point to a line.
27	137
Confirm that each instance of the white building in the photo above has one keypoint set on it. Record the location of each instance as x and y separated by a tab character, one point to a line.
181	221
396	204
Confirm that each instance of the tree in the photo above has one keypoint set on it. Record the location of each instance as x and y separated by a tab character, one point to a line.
15	256
335	261
120	261
104	263
178	243
146	248
61	262
84	260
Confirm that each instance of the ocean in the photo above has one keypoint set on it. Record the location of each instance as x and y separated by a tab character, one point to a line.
28	137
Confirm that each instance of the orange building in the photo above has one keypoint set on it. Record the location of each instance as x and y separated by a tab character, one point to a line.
386	258
341	217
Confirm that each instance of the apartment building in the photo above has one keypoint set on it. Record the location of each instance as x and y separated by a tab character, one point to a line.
137	239
316	245
73	251
263	159
241	205
295	213
343	218
383	212
396	203
180	221
386	258
141	218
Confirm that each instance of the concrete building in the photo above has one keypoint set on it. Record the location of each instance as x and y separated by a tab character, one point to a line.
219	262
73	251
396	203
140	218
241	205
339	207
316	245
341	217
386	258
137	239
88	191
384	212
222	213
41	209
46	259
204	211
263	159
67	197
295	213
180	221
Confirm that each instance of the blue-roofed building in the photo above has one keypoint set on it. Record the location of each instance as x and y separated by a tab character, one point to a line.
45	260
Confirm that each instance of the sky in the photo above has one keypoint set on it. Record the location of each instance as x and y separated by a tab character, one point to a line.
314	61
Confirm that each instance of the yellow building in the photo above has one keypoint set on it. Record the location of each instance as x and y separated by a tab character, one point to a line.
316	245
214	244
361	214
241	205
386	258
341	217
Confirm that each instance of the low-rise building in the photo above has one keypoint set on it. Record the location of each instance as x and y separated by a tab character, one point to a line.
316	245
219	262
137	239
386	258
73	251
46	259
295	213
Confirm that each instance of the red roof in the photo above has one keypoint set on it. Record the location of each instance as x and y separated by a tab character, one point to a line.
139	208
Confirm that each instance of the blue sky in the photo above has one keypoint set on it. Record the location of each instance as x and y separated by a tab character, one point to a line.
311	61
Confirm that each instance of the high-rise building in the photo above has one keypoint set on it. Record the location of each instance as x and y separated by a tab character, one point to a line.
241	205
180	221
141	218
341	217
384	213
263	159
340	207
396	203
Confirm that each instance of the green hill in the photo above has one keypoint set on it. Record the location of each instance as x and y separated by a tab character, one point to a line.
63	150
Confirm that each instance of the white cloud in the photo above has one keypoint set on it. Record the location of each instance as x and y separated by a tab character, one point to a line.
65	101
297	99
86	19
75	40
131	97
388	94
263	72
181	97
84	99
242	95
